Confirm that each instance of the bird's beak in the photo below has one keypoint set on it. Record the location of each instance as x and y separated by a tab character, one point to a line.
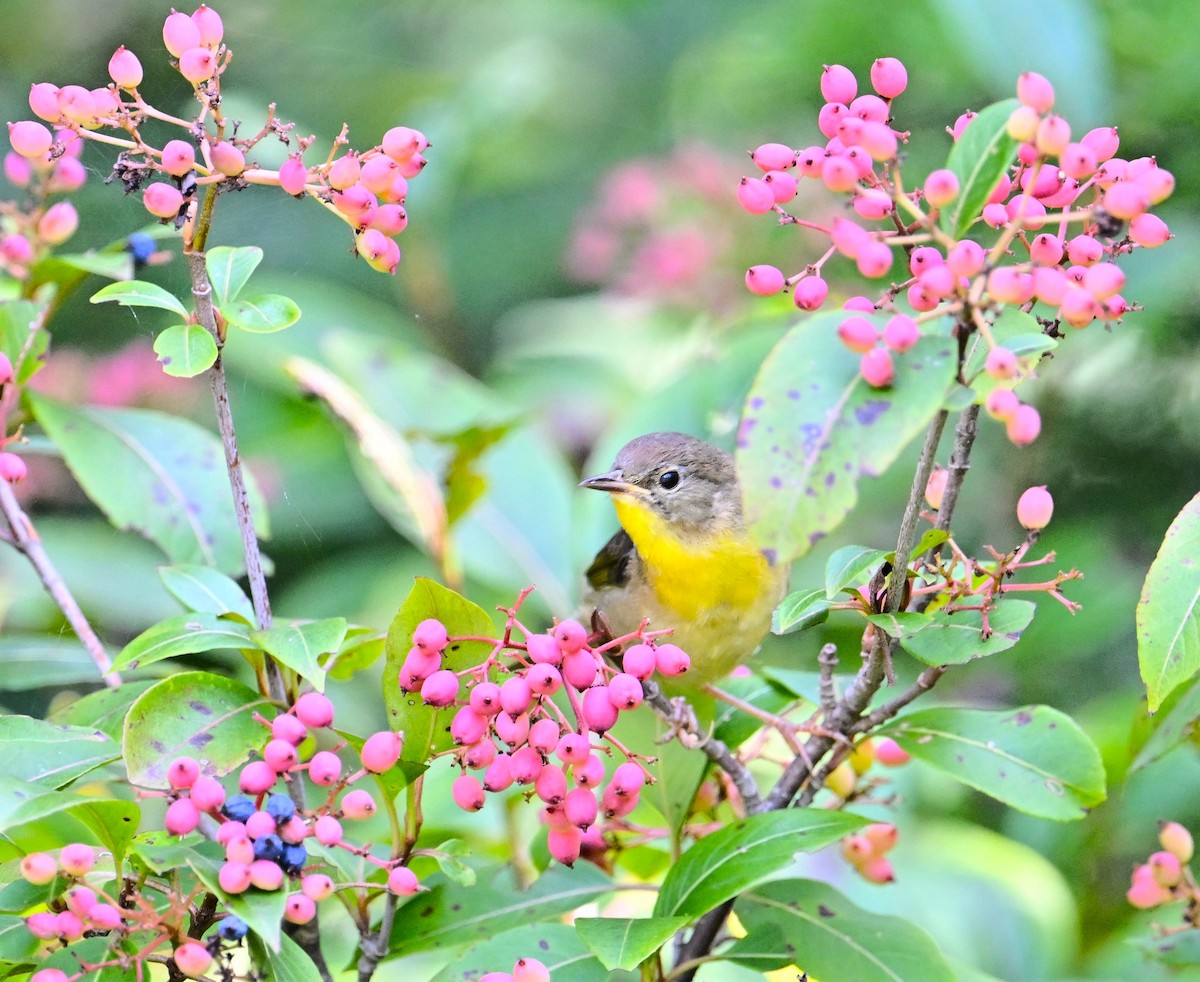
613	482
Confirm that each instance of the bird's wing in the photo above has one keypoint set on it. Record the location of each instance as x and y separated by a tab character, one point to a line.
610	568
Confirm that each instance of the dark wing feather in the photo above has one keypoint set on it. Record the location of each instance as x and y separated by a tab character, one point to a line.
611	565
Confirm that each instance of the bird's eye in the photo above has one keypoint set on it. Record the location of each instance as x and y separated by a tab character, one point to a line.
668	479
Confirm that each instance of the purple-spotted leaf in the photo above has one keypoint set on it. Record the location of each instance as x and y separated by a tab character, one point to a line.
185	350
183	634
194	714
1035	759
953	639
1168	613
812	427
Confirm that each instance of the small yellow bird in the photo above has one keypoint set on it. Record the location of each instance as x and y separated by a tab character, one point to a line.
683	557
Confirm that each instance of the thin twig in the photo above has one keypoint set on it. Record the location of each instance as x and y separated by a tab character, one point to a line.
24	539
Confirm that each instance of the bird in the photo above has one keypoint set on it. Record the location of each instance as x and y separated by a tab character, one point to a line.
683	557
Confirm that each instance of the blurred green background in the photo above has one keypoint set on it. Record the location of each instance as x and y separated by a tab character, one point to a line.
530	105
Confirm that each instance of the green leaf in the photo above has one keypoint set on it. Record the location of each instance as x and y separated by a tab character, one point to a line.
450	915
1179	950
183	634
812	926
229	268
17	319
158	474
979	158
449	856
930	540
557	946
1168	613
262	910
35	661
104	710
626	942
812	427
160	852
194	713
728	862
136	293
287	963
264	314
111	265
850	566
1035	759
1014	329
30	818
300	645
800	610
206	590
17	945
426	729
1174	724
903	624
734	727
49	753
954	639
359	650
185	350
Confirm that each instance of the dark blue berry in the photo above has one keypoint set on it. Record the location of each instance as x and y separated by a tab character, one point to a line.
141	246
238	808
268	847
232	928
280	807
294	857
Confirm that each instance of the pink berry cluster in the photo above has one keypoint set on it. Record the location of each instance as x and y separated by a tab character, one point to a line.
524	970
867	852
261	829
1166	876
12	466
515	734
367	190
45	164
1062	216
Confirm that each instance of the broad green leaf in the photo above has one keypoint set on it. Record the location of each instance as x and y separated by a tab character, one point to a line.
1168	613
850	566
185	350
111	265
262	910
426	729
264	314
17	319
137	293
361	648
812	926
184	634
1035	759
449	856
161	852
1174	724
194	713
32	817
158	474
286	963
800	610
299	645
51	754
626	942
93	951
954	639
930	540
744	853
557	946
229	268
17	945
104	710
450	915
979	158
206	590
1177	951
35	661
812	428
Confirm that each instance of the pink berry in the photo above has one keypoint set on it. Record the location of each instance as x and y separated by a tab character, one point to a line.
830	117
874	259
417	667
573	748
961	124
208	24
858	334
257	776
1126	200
848	237
191	957
180	33
440	689
530	970
1177	840
890	754
935	487
299	909
182	816
377	173
513	730
344	172
281	755
380	252
197	65
625	691
755	196
38	868
58	223
1148	230
544	680
259	824
1034	508
544	735
889	77
579	669
900	333
328	830
565	844
104	917
638	660
763	281
16	249
294	830
403	882
1001	363
389	219
543	649
287	727
516	696
1078	160
877	368
467	727
402	143
30	139
77	859
178	157
870	108
43	100
580	807
872	203
1104	280
526	764
485	698
324	768
920	299
839	174
966	258
69	925
266	875
1023	427
571	636
1035	91
1053	136
1023	123
599	712
1145	891
381	751
551	785
783	186
838	84
810	292
42	925
1103	141
773	156
293	175
162	200
590	773
234	877
615	805
671	660
358	804
938	281
811	161
468	793
1001	404
228	831
627	779
499	774
318	886
941	188
879	140
314	710
1046	249
1078	307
